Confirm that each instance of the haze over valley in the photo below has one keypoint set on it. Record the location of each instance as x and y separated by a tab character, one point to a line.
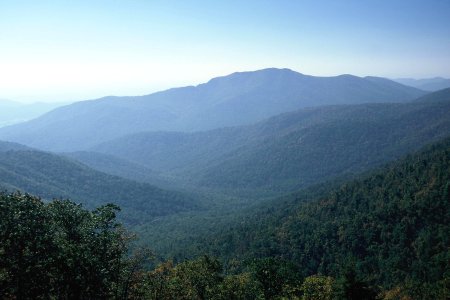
225	151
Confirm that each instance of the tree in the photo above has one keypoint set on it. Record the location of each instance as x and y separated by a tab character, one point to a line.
240	287
26	247
274	275
317	287
59	250
196	279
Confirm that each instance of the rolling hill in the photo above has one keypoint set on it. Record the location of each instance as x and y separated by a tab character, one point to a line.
292	150
237	99
428	84
12	112
113	165
51	176
7	146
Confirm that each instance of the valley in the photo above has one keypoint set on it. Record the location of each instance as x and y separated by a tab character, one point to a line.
327	177
225	150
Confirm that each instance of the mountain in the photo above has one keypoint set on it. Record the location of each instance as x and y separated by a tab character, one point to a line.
389	226
113	165
435	97
428	84
52	176
237	99
12	112
7	146
292	150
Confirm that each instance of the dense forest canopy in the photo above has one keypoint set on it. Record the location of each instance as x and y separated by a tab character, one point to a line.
385	235
50	176
219	229
216	150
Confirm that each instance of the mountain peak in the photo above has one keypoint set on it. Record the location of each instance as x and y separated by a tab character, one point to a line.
236	99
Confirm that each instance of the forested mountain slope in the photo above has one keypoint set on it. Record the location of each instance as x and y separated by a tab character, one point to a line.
291	150
52	176
383	236
113	165
7	146
391	227
240	98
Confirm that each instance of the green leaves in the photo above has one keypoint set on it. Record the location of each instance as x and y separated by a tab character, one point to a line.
59	250
317	287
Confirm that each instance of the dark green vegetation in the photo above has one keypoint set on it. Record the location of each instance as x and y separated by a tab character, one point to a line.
292	150
116	166
48	175
391	228
385	235
240	98
337	229
60	251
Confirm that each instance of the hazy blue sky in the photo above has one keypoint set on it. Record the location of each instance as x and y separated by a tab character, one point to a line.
74	50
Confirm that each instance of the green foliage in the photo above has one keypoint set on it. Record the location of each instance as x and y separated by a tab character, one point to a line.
242	286
25	239
197	278
192	279
391	226
274	276
289	151
110	164
349	287
384	235
317	287
59	250
49	175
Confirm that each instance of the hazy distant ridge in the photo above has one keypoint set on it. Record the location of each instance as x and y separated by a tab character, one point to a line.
237	99
12	112
428	84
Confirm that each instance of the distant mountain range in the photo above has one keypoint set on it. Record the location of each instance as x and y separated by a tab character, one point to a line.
292	150
271	171
12	112
237	99
428	84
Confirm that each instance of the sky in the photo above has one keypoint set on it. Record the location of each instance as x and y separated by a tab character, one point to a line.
75	50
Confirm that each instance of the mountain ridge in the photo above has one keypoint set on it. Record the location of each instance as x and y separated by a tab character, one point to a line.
237	99
399	210
49	176
427	84
274	150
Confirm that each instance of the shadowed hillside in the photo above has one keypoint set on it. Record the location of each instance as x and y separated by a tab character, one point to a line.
291	150
52	176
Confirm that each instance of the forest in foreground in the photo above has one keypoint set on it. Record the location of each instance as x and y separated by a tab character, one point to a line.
215	150
383	236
